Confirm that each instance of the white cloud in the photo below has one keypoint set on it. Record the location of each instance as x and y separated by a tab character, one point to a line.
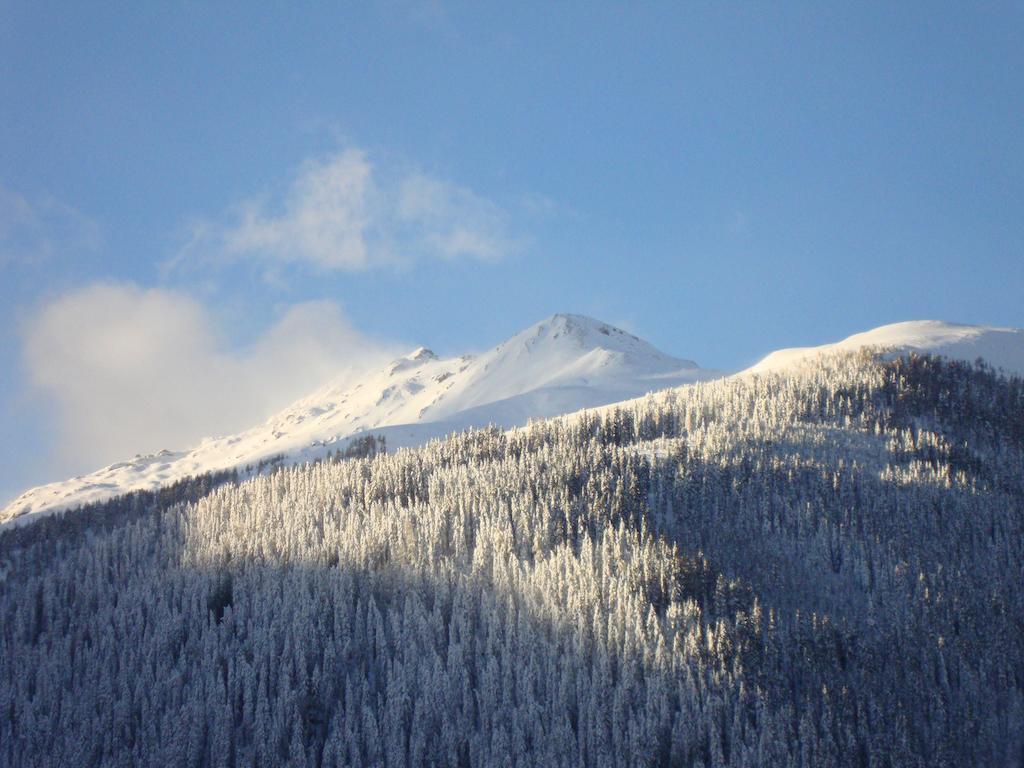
129	370
452	221
36	230
326	217
341	213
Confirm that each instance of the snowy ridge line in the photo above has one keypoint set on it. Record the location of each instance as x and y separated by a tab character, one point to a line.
562	364
559	366
1002	348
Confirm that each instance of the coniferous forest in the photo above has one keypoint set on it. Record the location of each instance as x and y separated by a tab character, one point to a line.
817	568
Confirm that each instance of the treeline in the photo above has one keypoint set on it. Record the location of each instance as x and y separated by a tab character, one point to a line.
817	569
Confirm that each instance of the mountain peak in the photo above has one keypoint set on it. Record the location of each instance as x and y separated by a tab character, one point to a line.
575	334
581	324
421	353
415	359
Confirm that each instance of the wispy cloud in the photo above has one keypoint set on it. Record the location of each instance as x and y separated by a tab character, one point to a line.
32	231
129	370
340	213
326	219
452	221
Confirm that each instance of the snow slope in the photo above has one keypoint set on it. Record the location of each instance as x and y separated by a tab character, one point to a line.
560	365
1003	348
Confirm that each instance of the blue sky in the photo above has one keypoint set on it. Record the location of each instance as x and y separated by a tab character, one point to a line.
197	197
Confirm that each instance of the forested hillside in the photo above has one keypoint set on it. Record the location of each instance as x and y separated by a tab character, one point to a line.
820	567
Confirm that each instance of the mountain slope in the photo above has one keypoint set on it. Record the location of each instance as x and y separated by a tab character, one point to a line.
1002	348
559	365
783	570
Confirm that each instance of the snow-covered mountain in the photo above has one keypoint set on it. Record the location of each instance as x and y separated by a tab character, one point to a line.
1002	348
562	364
